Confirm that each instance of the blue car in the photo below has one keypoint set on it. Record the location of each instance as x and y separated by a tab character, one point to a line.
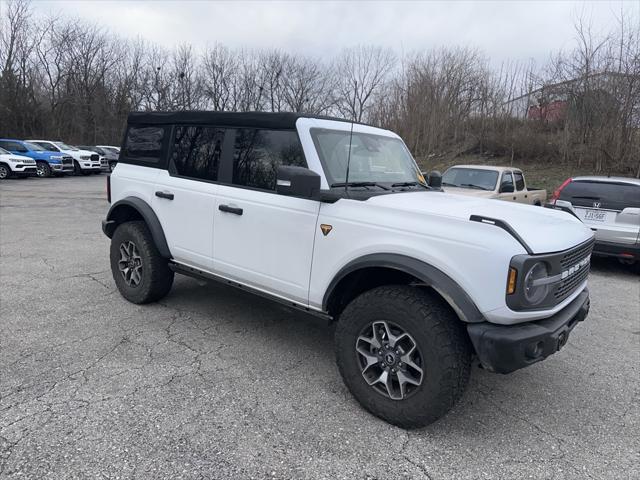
47	163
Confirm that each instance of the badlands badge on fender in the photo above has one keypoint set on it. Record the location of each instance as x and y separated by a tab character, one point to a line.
325	229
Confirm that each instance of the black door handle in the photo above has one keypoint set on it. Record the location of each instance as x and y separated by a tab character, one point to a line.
168	196
228	209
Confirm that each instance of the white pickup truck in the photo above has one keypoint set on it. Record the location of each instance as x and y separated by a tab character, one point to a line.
503	183
335	219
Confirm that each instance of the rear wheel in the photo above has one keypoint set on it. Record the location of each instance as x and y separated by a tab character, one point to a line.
403	354
43	169
141	274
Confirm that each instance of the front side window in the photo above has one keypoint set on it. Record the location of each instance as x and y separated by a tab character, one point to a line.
144	144
474	178
197	152
519	181
371	158
258	154
47	146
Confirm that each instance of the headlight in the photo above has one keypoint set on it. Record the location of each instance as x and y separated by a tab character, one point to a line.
535	286
84	157
17	160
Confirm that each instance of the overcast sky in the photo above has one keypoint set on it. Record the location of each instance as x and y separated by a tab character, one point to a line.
502	30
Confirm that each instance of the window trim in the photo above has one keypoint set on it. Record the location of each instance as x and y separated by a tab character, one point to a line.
515	182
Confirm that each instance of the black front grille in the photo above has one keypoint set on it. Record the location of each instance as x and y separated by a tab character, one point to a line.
95	157
568	285
575	279
574	256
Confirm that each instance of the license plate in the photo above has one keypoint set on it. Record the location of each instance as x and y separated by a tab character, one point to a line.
589	215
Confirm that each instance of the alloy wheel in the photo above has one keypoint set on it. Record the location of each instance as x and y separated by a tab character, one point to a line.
4	172
130	264
390	360
41	170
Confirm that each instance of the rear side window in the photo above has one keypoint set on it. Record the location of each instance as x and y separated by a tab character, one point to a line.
258	154
609	195
519	180
145	144
197	152
15	146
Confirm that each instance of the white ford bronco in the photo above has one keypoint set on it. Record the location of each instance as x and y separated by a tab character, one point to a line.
334	218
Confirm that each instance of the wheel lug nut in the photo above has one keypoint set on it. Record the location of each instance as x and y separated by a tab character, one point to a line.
393	370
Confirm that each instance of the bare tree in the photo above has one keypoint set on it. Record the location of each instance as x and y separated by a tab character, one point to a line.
361	72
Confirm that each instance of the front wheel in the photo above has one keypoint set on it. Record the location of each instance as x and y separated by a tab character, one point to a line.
403	354
141	274
4	171
43	169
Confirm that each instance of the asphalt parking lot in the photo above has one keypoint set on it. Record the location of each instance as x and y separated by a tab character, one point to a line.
215	383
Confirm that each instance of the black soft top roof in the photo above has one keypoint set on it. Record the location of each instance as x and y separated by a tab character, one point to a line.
280	120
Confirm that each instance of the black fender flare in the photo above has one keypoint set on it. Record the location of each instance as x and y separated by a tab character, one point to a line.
429	275
148	215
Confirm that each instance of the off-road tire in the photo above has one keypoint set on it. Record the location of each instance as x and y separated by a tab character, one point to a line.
157	277
43	169
440	336
5	171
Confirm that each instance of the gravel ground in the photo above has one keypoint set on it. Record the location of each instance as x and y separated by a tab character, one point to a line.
215	383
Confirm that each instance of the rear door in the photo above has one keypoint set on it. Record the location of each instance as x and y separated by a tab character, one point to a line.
185	193
610	208
261	238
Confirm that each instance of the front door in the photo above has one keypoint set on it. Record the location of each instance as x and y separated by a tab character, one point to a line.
263	239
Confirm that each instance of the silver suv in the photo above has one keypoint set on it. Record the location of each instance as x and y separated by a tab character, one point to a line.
610	206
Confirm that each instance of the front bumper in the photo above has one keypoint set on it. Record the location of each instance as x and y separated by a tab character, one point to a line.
618	250
91	166
506	348
24	169
61	168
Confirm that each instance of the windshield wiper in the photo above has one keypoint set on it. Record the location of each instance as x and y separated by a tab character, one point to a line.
450	184
408	184
471	185
359	184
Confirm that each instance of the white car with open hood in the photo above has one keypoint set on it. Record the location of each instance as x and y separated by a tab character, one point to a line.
335	218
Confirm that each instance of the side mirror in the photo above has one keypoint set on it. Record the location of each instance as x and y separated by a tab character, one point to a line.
298	182
507	189
434	179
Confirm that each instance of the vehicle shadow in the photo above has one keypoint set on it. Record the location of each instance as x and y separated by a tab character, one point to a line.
608	265
307	341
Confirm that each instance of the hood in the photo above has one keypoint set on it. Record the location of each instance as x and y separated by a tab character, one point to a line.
472	192
545	230
86	152
15	156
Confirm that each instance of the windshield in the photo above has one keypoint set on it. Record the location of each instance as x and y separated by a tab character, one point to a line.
64	146
374	158
4	152
34	146
470	178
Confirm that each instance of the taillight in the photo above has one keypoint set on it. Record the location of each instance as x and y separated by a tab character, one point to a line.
109	188
556	194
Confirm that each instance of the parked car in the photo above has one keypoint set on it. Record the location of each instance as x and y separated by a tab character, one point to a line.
84	161
334	218
108	158
13	165
610	206
47	163
111	148
504	183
